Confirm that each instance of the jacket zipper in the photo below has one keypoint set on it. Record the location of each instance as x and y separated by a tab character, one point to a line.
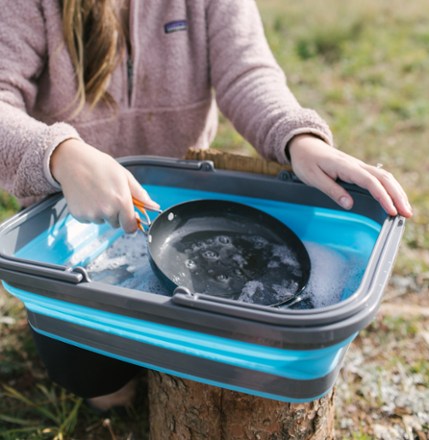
130	50
130	75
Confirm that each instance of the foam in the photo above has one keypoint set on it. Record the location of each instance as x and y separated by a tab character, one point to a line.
126	264
333	274
249	291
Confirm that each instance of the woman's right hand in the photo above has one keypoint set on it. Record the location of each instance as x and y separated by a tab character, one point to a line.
96	187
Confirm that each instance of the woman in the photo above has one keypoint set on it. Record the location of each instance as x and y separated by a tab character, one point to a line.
83	81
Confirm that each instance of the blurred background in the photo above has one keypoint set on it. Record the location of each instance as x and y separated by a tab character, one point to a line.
364	66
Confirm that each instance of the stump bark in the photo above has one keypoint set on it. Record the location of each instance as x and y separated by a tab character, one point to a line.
181	409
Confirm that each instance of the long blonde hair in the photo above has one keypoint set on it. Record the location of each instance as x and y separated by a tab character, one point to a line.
95	40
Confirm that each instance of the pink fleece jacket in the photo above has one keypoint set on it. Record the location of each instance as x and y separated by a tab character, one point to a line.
187	56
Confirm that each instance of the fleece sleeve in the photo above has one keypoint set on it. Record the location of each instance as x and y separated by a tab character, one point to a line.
251	89
25	143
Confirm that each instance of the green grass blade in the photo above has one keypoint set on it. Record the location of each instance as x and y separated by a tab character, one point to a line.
39	407
17	421
69	424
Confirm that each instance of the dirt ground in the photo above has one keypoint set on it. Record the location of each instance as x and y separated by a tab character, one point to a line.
383	388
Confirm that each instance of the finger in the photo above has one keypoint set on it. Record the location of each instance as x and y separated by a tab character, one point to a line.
365	179
127	216
86	218
394	189
141	194
113	220
319	179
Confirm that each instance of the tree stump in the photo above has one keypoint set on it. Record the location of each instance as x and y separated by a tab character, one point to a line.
181	409
237	162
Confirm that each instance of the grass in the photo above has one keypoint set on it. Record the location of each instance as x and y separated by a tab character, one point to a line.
8	205
56	408
384	384
364	66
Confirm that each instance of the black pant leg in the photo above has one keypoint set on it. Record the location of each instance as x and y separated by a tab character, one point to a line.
80	371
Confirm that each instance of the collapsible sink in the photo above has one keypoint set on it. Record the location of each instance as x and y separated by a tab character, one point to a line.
49	261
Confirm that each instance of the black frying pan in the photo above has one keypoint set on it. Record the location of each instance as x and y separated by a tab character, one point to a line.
230	250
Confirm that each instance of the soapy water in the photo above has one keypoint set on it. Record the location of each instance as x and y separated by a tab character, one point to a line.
226	264
126	264
333	277
223	266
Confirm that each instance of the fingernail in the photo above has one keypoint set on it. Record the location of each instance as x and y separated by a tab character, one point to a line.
345	202
152	205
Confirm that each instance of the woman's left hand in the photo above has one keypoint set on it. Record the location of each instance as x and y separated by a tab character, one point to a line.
318	164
